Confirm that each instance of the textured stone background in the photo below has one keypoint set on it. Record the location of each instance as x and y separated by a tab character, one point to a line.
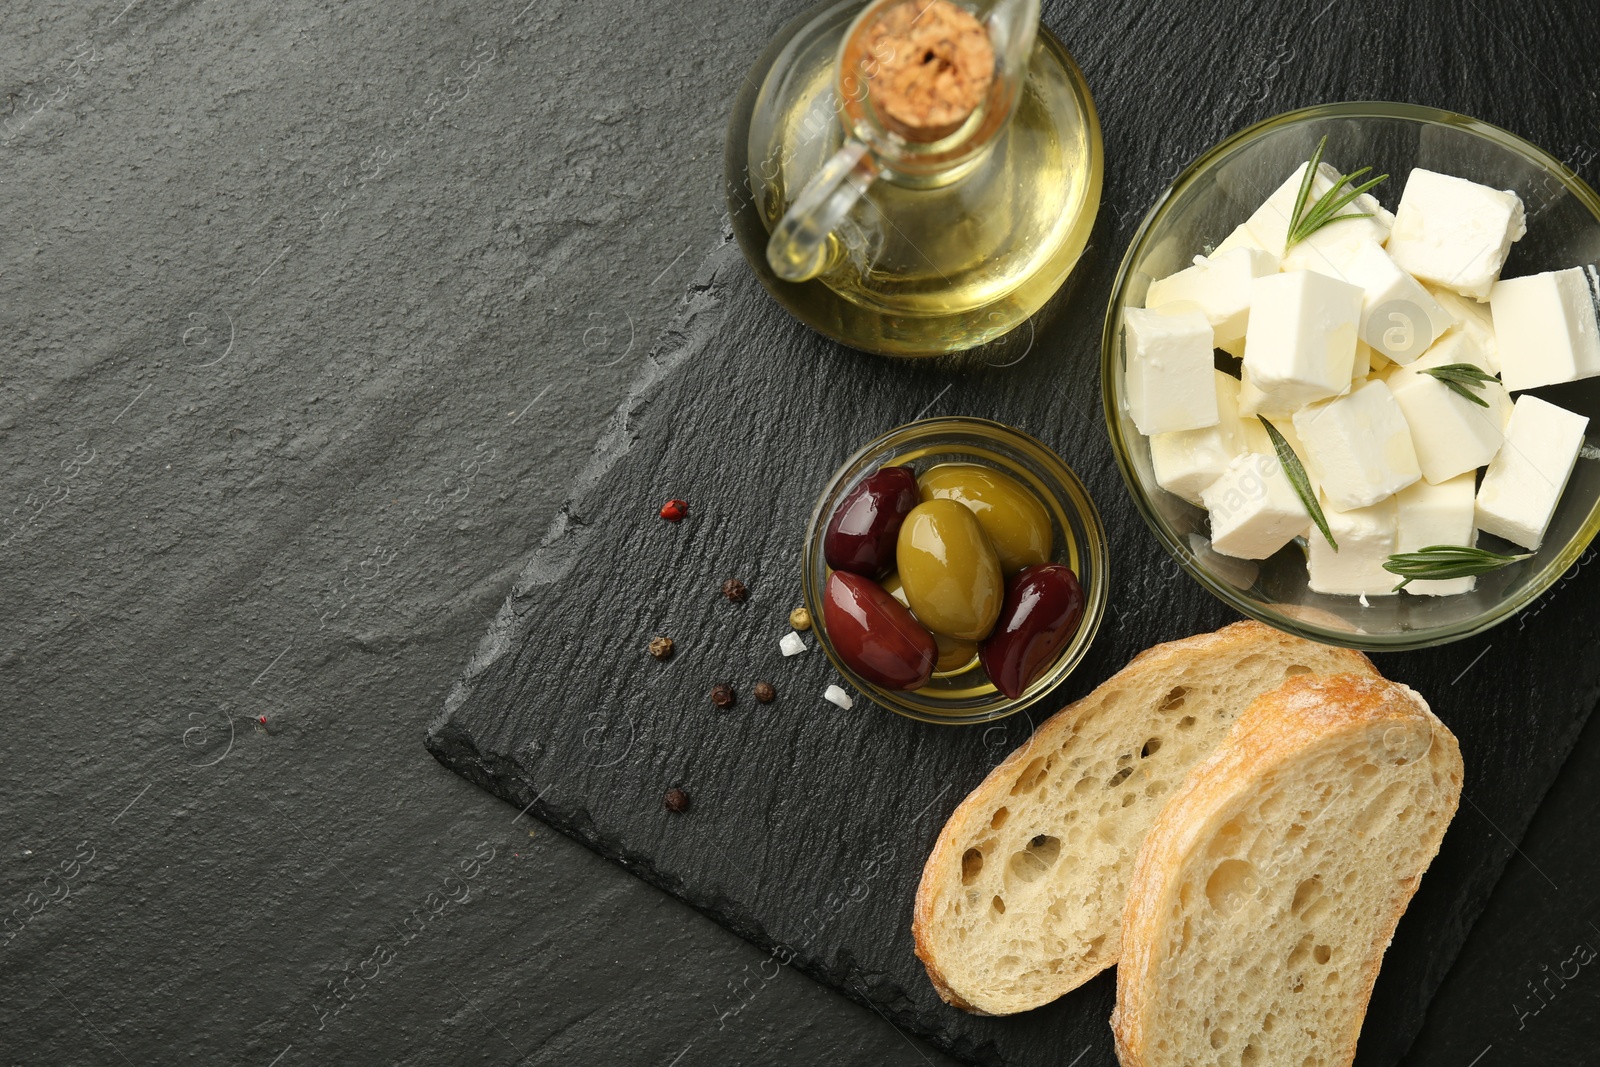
309	315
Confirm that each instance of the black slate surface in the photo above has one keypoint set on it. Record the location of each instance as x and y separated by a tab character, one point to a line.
810	824
413	384
478	305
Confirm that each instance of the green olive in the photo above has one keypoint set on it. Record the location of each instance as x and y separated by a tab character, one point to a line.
949	571
1013	517
953	653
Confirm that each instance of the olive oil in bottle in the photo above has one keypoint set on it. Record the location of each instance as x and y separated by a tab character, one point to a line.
914	177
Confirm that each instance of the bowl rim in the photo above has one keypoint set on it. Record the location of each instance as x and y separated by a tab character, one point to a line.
1561	561
1096	595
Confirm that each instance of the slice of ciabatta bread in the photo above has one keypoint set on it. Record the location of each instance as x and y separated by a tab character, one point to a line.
1022	897
1269	887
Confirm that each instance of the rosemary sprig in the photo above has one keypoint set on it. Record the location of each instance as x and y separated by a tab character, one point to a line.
1463	379
1297	478
1438	562
1304	221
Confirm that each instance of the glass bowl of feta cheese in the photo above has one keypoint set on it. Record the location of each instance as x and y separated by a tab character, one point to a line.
1358	411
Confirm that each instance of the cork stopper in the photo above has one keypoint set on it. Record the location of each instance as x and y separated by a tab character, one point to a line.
929	64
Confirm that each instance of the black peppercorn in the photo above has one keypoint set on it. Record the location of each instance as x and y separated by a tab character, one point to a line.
765	693
661	647
722	695
676	801
735	591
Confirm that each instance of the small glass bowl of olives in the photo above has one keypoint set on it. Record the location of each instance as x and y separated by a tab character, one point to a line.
955	570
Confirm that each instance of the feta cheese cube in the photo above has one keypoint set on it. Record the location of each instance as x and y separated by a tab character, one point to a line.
1270	223
1186	461
1330	257
1255	435
1450	433
1522	486
1472	319
1358	446
1454	233
1363	362
1218	288
1398	316
1241	237
1300	343
1256	439
1366	538
1545	328
1254	509
1169	368
1253	401
1461	345
1438	515
1383	374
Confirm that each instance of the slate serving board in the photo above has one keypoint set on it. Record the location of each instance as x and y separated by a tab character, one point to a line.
809	824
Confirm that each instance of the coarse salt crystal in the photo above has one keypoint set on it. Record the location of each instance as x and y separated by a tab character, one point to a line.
792	644
835	695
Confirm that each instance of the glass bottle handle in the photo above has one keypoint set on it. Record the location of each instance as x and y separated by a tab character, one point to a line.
1012	26
799	247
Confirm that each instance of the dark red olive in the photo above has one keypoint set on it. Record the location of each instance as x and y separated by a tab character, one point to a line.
863	529
1042	610
875	634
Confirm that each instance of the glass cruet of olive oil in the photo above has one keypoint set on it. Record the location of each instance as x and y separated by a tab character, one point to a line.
914	177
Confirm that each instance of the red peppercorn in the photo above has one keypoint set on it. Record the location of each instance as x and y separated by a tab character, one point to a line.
735	591
676	801
765	693
722	695
675	510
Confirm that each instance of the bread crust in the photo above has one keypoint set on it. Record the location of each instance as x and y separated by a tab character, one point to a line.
1277	728
1171	658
